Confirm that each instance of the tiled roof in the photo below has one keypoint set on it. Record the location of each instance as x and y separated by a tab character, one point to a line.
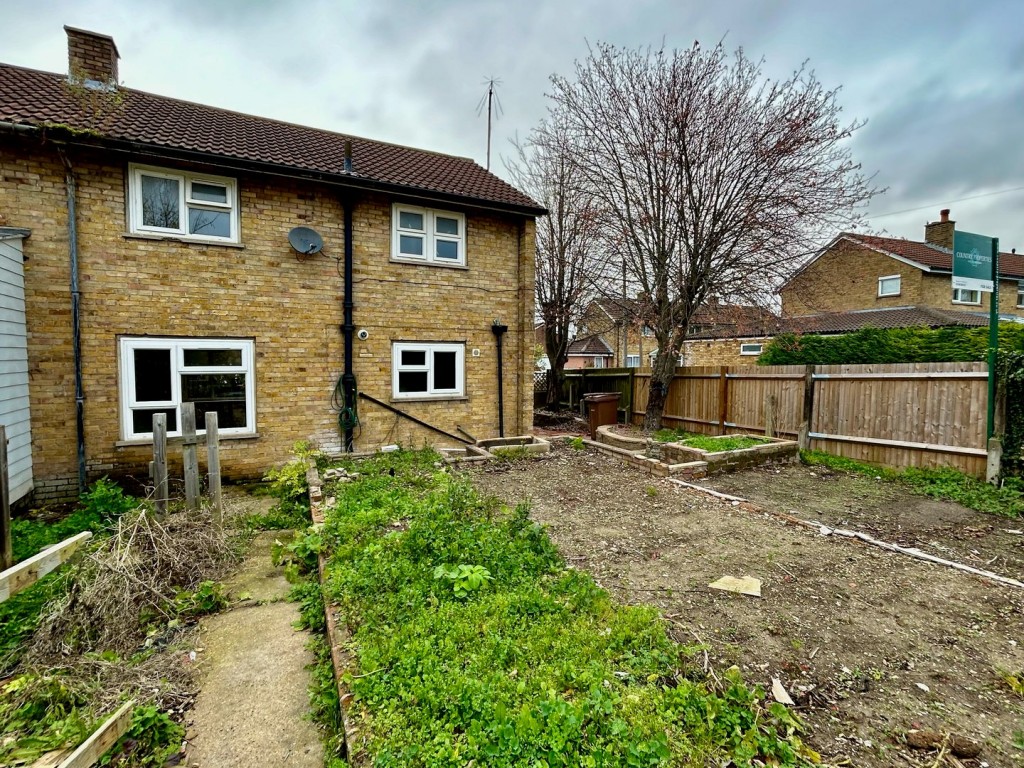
1011	265
895	317
590	345
710	321
34	98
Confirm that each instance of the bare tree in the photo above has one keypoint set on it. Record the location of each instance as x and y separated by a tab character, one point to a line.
568	257
709	178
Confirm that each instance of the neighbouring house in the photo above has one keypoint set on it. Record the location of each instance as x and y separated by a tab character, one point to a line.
855	272
719	333
589	352
158	271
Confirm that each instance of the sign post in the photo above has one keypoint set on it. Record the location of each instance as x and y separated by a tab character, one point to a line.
976	268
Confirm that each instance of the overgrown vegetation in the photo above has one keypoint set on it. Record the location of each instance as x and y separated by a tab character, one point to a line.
81	641
945	483
477	645
891	345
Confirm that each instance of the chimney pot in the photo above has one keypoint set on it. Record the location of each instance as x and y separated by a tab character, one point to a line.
91	56
944	215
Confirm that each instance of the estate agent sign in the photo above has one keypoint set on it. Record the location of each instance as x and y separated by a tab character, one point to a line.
972	262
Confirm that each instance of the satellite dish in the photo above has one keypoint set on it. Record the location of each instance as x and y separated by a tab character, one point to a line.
305	240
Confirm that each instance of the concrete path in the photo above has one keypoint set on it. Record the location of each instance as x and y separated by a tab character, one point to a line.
252	706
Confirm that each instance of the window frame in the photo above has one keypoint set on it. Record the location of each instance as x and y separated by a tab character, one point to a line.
1020	294
758	344
635	361
961	292
431	237
186	202
429	347
899	285
177	347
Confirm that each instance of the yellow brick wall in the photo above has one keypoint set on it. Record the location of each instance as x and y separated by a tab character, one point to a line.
720	351
937	291
846	278
290	306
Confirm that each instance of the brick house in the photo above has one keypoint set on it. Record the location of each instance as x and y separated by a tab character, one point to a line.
719	333
860	272
158	270
589	352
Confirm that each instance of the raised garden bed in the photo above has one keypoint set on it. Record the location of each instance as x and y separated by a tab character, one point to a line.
695	456
493	447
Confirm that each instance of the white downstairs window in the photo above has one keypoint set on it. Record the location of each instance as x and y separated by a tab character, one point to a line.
189	206
428	236
751	348
964	296
1020	294
158	375
424	370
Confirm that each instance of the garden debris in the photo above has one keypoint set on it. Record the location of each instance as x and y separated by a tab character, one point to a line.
960	746
339	475
780	694
747	585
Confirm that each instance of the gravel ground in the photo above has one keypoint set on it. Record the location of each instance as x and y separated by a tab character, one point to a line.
869	643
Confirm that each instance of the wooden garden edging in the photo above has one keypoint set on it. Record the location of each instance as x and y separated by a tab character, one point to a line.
31	570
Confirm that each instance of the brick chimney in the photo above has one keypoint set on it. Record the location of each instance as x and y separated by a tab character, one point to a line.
940	232
91	56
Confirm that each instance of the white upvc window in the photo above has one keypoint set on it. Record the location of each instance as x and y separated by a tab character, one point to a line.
427	370
186	205
599	362
158	375
632	361
964	296
751	348
425	235
1020	294
889	285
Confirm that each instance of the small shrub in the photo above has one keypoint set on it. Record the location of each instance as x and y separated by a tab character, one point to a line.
206	598
464	578
576	443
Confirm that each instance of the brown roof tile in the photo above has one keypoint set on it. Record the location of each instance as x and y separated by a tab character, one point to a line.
1011	265
31	97
894	317
590	345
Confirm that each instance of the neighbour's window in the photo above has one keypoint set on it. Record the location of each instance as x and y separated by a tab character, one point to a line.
1020	294
599	362
632	361
426	235
889	286
158	375
964	296
647	331
186	205
751	349
427	370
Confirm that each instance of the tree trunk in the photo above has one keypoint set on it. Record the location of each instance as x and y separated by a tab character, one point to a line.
556	380
661	377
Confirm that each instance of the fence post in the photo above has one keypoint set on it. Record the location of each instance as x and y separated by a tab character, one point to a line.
629	405
188	454
723	397
6	544
160	462
995	456
803	436
770	409
213	465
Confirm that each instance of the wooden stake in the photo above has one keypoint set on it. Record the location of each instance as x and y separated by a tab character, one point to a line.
6	545
188	454
213	465
160	462
27	572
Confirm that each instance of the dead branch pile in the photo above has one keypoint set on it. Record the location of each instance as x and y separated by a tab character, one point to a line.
126	587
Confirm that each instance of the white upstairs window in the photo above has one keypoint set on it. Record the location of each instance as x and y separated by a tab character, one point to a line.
188	206
428	236
964	296
889	285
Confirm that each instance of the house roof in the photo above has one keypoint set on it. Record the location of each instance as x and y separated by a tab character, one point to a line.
893	317
46	100
922	255
590	345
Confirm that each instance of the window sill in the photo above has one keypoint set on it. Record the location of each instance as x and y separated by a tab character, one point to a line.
888	295
431	399
425	263
179	239
177	440
968	303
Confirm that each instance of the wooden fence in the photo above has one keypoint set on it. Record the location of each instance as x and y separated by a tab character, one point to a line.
902	415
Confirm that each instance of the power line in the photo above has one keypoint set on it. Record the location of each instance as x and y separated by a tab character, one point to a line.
946	202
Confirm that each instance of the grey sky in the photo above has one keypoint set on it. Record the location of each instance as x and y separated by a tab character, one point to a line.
940	83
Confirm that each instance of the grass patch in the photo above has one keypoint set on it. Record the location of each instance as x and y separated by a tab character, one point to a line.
943	483
478	646
707	442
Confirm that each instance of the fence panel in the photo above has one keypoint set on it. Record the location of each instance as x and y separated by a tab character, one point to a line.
902	415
